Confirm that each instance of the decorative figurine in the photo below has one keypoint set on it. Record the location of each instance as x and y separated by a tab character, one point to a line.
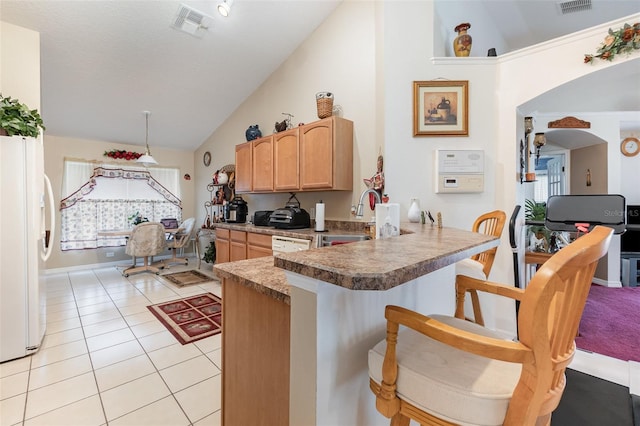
284	124
376	182
281	126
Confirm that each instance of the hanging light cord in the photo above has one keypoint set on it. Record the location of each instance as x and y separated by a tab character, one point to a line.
146	137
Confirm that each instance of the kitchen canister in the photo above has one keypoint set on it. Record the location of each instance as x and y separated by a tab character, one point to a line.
414	211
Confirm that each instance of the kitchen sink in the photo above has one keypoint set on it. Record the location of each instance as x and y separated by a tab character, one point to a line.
332	240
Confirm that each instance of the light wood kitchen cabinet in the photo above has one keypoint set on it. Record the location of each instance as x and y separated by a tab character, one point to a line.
255	381
313	157
237	245
326	155
286	164
243	167
262	164
258	245
222	245
232	245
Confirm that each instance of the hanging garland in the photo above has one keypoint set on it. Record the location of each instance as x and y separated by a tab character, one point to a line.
623	41
121	154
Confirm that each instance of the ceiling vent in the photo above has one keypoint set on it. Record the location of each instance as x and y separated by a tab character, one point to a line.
191	21
574	6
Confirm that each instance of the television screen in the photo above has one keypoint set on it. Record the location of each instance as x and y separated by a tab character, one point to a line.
630	240
633	215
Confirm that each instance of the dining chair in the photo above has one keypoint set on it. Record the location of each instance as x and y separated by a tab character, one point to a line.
442	370
179	240
479	266
147	239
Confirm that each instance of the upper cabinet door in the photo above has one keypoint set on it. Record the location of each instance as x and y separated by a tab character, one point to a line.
262	164
326	155
243	167
286	164
316	155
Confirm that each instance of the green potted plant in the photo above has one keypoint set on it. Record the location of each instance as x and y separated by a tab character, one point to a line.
210	253
136	219
537	233
17	119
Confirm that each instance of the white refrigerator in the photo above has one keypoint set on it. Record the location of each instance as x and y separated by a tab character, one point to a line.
23	205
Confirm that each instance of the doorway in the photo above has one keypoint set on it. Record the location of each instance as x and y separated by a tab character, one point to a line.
551	178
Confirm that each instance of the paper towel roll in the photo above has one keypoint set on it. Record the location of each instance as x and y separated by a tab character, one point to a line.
320	216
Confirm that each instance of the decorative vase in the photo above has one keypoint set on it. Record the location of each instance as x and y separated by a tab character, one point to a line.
443	109
414	211
253	132
462	43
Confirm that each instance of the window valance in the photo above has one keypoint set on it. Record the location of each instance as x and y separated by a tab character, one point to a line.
103	172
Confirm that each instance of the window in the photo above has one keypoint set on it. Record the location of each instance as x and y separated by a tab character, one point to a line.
103	197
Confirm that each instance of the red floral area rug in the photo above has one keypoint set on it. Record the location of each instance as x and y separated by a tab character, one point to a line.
192	318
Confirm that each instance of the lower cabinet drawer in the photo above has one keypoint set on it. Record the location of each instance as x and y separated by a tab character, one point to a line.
261	240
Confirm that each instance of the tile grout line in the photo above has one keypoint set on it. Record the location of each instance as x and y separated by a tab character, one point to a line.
71	288
157	371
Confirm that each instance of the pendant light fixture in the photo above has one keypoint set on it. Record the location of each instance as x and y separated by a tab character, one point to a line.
147	160
224	8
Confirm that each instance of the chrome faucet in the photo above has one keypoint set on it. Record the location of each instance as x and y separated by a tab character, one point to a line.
360	208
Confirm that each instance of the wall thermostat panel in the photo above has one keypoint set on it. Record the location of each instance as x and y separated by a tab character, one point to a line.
460	171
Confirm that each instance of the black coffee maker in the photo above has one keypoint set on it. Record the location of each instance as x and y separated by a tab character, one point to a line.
235	211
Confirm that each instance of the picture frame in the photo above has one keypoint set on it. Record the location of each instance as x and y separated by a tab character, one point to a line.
441	108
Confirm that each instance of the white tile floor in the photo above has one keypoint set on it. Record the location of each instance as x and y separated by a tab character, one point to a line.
106	359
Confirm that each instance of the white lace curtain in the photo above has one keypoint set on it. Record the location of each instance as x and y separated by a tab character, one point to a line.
105	197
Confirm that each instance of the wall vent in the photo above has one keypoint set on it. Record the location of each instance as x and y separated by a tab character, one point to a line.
574	6
191	21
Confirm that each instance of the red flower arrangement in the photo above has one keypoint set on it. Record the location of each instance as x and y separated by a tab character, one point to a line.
120	154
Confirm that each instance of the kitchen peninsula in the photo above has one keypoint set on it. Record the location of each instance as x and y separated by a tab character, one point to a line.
297	327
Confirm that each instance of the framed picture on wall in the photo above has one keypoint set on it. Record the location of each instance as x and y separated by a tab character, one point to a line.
441	108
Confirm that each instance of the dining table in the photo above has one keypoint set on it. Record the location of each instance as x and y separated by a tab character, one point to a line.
125	233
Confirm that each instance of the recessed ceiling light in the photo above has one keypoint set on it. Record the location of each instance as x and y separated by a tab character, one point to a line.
224	8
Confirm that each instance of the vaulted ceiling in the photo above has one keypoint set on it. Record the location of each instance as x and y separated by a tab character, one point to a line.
105	62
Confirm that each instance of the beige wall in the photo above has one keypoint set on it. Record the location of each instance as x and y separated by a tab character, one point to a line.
56	149
340	57
20	64
594	159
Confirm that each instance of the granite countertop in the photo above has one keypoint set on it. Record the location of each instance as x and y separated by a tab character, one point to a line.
386	263
366	265
259	274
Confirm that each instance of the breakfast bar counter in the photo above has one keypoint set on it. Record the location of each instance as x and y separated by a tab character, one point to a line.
298	326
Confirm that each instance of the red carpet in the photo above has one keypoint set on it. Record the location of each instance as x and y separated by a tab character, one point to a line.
192	318
610	324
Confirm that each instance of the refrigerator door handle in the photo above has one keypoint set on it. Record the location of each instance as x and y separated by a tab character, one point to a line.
48	242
